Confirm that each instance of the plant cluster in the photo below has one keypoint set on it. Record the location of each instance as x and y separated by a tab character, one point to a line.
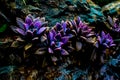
67	42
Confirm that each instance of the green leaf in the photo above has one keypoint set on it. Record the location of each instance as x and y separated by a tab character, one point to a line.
3	27
29	45
15	44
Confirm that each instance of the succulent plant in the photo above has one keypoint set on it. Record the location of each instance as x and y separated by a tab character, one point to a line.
114	23
81	29
105	40
31	28
58	38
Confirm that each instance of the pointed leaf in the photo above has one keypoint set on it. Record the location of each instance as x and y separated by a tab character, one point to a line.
65	39
64	26
78	20
54	59
50	50
20	23
29	19
64	52
40	51
35	38
58	26
37	24
3	27
20	31
58	49
51	36
19	39
43	38
29	45
41	30
78	46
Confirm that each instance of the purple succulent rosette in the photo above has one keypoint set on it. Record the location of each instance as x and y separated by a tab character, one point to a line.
114	23
105	40
58	39
31	28
82	30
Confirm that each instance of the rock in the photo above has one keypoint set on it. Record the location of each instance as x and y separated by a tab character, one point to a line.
112	8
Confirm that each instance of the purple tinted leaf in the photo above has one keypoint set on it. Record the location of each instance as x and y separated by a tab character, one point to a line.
41	30
74	24
106	45
58	48
52	43
58	36
65	39
50	50
29	19
112	44
64	52
64	26
37	24
20	31
58	26
26	26
103	34
51	36
99	39
20	23
78	20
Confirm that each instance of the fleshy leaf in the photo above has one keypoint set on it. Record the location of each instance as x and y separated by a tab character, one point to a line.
29	19
54	59
50	50
43	38
65	39
37	24
19	39
29	45
35	38
41	30
78	46
110	21
78	20
3	27
64	26
20	23
51	36
64	52
20	31
58	26
40	51
15	44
